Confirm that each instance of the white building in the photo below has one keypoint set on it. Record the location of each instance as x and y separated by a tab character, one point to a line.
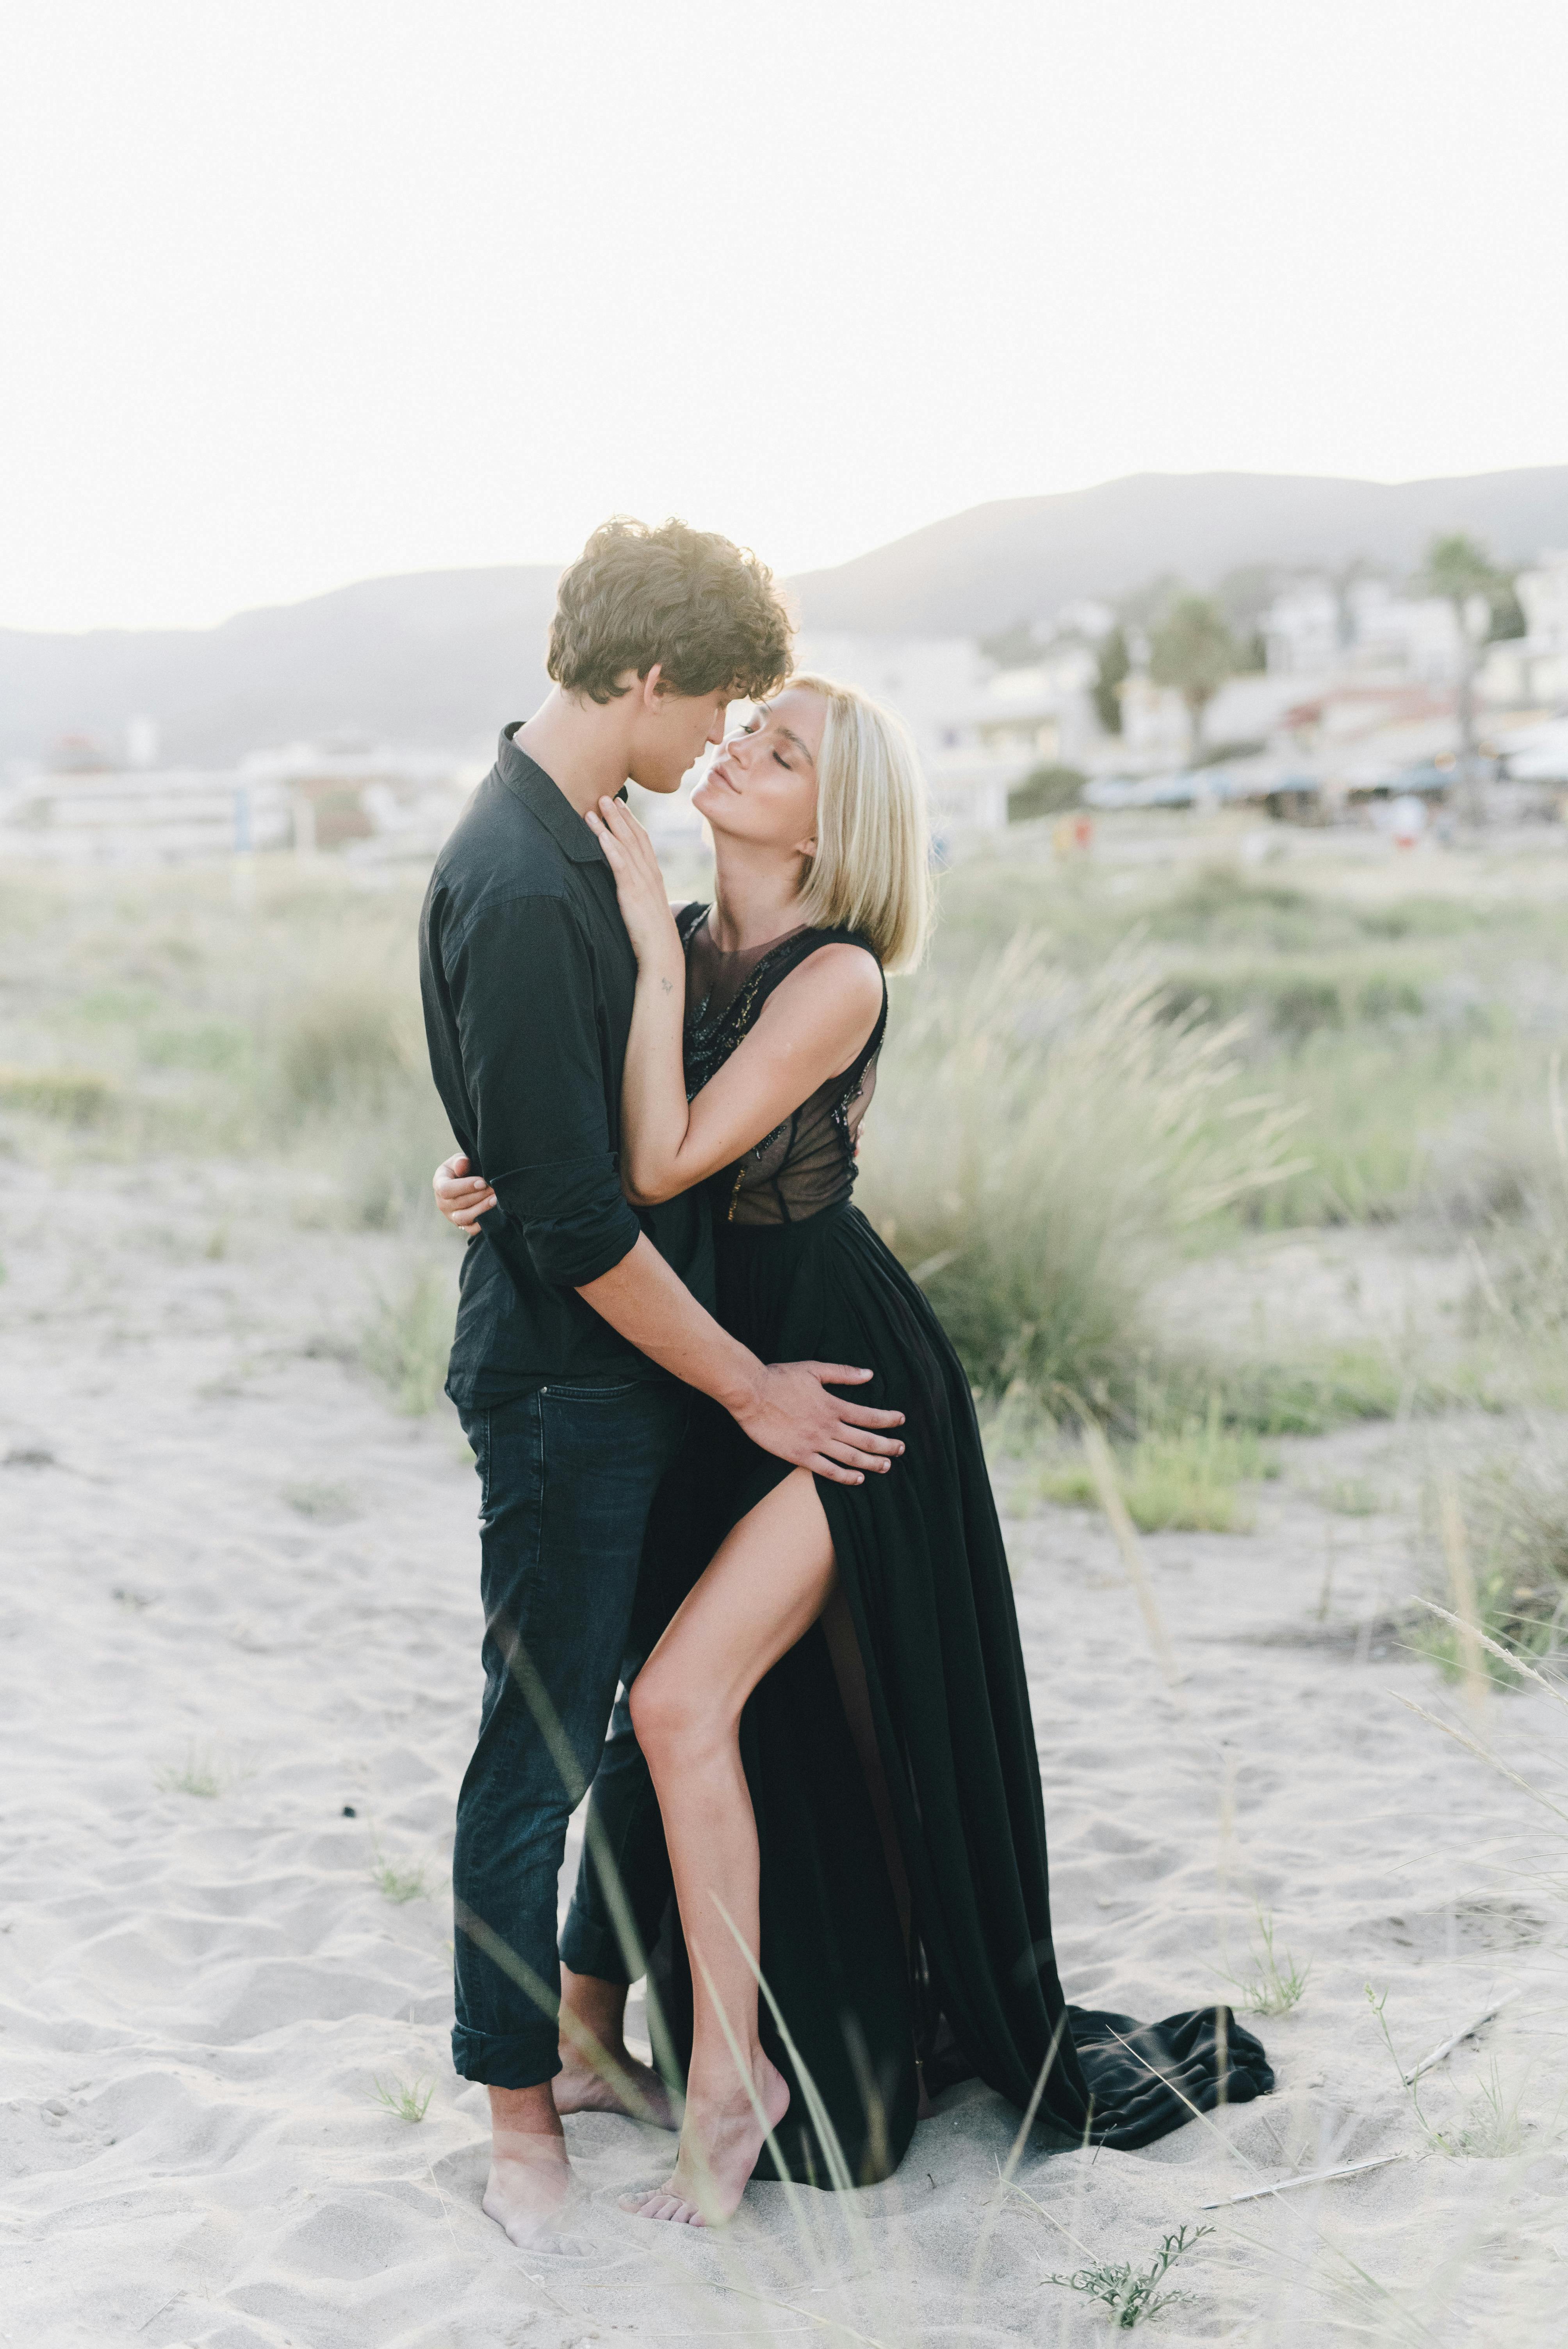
371	799
1301	630
1419	635
374	803
138	815
1531	671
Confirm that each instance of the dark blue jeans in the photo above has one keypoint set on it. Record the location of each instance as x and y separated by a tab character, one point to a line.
567	1478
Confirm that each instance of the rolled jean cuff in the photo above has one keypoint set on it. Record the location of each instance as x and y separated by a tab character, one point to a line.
588	1948
522	2059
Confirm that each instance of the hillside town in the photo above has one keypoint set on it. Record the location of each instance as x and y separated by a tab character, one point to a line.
1357	701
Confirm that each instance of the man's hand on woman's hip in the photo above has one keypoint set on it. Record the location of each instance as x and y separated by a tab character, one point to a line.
790	1413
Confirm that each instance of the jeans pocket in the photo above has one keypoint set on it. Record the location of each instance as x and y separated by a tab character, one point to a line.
558	1392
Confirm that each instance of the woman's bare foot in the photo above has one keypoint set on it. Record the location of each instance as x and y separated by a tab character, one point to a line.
579	2088
720	2141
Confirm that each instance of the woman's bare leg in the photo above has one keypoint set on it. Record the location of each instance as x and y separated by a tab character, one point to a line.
764	1590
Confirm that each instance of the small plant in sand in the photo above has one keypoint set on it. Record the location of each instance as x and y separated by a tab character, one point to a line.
329	1505
409	2099
1490	2129
399	1883
1133	2294
1276	1983
200	1773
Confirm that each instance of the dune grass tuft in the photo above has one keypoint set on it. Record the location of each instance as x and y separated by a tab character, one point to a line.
1276	1984
200	1774
1035	1147
1187	1479
409	2099
401	1885
1513	1519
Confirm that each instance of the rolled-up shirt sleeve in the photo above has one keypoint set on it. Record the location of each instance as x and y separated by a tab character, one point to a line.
533	1063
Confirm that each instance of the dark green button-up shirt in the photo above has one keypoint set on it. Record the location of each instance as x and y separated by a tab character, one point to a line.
527	976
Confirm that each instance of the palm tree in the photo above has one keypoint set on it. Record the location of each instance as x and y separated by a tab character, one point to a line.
1194	650
1461	571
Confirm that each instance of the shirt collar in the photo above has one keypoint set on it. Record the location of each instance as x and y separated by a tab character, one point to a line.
543	797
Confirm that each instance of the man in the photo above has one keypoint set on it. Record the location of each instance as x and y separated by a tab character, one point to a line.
582	1324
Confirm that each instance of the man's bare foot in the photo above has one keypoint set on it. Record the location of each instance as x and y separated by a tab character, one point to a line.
579	2088
526	2193
720	2141
530	2182
594	2028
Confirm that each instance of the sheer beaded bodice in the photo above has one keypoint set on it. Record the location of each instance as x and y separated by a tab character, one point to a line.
808	1163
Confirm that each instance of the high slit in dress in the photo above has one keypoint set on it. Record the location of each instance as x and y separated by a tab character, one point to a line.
972	1989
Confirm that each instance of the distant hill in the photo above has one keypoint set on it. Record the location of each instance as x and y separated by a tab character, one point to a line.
438	660
1021	558
441	658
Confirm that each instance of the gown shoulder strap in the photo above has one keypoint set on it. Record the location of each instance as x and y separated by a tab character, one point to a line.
778	965
687	917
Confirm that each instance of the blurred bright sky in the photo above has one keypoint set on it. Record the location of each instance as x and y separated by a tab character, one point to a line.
296	292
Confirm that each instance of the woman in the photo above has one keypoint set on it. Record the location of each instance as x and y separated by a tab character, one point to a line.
836	1718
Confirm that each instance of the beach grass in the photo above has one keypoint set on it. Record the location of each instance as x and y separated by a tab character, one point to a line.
1495	1542
1275	1983
1189	1479
409	1335
401	1885
200	1774
1037	1147
409	2099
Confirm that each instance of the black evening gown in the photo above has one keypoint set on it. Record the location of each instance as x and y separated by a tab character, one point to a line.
974	1991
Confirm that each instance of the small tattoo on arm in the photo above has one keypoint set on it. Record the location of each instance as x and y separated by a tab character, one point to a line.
668	985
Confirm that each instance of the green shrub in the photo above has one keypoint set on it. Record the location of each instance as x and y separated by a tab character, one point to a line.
73	1096
1303	1004
1044	790
1035	1149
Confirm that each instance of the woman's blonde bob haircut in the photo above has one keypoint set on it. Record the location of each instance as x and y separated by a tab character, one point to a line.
871	871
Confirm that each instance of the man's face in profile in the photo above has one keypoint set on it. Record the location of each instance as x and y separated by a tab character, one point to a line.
672	734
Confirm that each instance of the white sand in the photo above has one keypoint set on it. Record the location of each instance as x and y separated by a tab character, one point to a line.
197	1991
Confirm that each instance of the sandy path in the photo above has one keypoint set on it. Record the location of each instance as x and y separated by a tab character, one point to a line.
236	1555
